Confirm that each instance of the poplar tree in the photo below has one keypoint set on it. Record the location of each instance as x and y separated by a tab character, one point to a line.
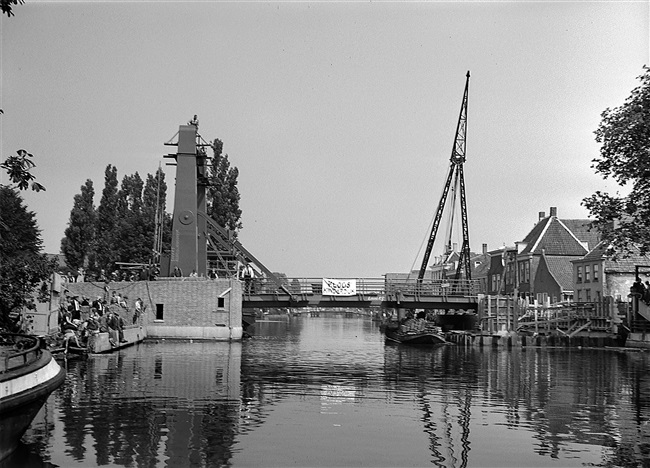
107	221
624	133
132	245
223	194
155	191
78	244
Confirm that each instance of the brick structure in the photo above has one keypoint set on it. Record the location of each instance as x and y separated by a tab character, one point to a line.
183	308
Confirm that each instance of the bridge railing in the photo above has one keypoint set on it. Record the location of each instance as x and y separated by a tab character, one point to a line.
373	287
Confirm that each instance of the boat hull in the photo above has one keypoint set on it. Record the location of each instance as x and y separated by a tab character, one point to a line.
23	391
415	339
414	332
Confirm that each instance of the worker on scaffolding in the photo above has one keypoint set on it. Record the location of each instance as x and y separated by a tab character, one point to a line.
247	276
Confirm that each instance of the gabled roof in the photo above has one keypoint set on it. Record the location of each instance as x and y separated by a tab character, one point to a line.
556	237
583	231
621	265
482	269
561	269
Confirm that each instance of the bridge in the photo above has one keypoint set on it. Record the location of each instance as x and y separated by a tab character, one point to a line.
365	293
201	246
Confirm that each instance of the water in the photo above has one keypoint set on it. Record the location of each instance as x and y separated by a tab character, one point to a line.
326	391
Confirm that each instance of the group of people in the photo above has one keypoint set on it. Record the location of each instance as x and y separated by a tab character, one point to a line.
177	272
640	290
80	320
142	274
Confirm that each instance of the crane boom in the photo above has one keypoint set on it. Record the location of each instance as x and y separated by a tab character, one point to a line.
456	167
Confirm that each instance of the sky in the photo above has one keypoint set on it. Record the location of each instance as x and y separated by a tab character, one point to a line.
340	116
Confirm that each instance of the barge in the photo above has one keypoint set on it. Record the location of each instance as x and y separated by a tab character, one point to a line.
28	375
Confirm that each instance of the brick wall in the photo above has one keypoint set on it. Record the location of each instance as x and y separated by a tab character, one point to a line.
196	308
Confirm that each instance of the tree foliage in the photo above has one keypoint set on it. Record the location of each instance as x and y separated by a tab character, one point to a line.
22	266
122	228
624	134
78	243
106	220
19	167
223	194
7	6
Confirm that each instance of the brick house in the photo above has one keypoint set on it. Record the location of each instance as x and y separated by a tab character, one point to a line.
560	241
501	277
554	279
596	276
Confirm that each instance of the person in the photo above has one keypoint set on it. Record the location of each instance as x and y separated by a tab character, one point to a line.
193	274
248	274
120	328
212	274
76	308
177	272
97	306
112	326
69	330
637	288
139	309
92	329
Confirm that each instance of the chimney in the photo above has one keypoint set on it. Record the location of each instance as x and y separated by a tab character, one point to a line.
541	216
484	249
553	211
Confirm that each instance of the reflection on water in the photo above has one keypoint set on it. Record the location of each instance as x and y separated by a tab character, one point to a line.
327	391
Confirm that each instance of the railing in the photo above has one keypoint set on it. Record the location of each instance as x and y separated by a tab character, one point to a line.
17	351
372	287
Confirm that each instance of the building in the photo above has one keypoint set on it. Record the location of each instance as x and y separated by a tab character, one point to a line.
560	241
597	276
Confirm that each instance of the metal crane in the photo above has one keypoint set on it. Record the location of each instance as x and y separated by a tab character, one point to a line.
456	174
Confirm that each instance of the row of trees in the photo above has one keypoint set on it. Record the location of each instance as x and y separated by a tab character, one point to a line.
123	227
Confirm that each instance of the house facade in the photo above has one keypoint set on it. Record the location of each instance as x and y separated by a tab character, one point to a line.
597	276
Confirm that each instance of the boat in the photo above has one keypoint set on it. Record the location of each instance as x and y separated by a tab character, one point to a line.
28	375
415	332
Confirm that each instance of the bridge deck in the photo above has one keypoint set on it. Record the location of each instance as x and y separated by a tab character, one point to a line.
362	292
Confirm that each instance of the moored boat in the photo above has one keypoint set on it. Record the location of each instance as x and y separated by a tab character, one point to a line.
420	332
28	375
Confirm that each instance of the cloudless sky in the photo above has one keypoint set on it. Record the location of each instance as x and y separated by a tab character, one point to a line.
340	116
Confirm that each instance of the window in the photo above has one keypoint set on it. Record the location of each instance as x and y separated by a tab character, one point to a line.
596	268
588	295
524	272
579	294
597	296
579	279
221	302
527	271
587	273
159	311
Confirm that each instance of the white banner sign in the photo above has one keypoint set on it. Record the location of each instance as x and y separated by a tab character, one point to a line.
337	287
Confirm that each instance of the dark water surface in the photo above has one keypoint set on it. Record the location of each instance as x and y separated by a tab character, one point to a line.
327	391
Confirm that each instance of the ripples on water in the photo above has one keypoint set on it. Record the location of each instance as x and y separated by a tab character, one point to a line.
327	391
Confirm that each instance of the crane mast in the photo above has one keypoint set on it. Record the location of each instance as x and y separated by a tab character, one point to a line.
455	174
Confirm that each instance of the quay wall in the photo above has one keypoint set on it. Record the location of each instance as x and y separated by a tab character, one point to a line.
514	340
182	308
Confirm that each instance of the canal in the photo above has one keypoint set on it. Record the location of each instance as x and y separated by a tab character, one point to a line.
327	391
